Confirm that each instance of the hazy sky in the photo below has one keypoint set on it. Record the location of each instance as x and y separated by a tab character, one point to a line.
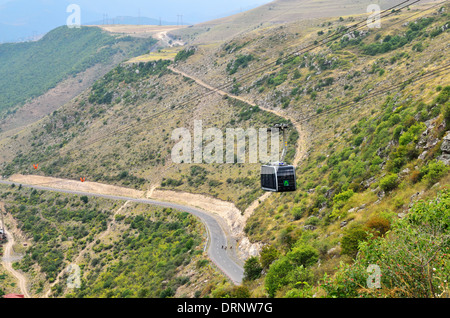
22	19
193	11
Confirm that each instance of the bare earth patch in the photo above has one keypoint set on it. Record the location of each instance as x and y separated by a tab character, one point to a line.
74	185
140	30
230	217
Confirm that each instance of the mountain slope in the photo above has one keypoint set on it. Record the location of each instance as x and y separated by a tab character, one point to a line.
24	67
376	108
374	104
277	13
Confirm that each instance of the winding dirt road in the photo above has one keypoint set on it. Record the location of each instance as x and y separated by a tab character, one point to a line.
300	152
225	260
238	223
8	259
216	222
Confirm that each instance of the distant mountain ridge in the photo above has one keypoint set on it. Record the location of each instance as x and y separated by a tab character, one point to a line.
24	67
25	20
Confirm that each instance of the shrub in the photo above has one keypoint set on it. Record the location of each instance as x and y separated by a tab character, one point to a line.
389	182
446	113
412	134
84	199
351	239
185	54
346	281
277	276
167	293
433	172
252	268
202	263
378	225
415	176
343	196
240	292
268	255
298	211
300	277
303	255
358	141
241	61
413	258
397	132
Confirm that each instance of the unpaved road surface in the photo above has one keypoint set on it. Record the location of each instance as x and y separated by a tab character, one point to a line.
300	150
237	223
225	259
7	260
223	221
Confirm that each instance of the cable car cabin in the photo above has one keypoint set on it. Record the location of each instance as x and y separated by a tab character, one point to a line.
278	178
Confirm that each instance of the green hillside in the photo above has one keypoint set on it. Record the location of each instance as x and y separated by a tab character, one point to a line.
372	188
123	250
30	69
376	108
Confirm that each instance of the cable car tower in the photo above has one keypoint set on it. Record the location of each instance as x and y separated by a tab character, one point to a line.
277	176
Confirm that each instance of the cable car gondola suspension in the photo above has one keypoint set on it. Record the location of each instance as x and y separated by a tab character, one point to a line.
277	176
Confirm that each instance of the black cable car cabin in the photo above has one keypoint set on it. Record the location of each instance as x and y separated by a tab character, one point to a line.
278	177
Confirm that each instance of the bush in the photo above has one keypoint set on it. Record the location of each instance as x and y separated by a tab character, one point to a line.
303	255
252	268
202	263
240	292
343	196
443	96
241	62
297	212
389	182
397	132
433	172
351	239
413	258
378	225
446	113
300	277
268	255
185	54
358	141
277	276
412	134
84	199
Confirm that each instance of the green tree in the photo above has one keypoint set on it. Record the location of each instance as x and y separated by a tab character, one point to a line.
252	268
278	275
303	255
268	255
84	199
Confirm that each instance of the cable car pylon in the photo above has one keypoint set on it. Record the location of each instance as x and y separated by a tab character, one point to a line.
277	176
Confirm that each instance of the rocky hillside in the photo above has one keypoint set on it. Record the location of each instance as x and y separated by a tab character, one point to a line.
375	104
374	109
37	77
